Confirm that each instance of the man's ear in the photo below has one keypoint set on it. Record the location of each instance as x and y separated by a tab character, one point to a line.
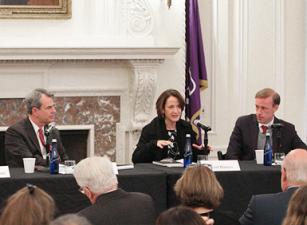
275	107
283	179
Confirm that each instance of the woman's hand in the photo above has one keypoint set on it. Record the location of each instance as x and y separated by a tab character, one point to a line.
162	143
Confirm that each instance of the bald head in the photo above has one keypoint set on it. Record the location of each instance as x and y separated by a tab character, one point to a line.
294	168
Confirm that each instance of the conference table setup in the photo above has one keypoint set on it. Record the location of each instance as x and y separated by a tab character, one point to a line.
157	181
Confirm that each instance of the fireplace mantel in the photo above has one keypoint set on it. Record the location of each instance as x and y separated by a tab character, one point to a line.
126	53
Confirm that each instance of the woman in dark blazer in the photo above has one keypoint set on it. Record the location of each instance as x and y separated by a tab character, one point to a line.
164	136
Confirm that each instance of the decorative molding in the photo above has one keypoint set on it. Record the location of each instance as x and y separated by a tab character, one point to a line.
33	54
279	49
139	17
142	91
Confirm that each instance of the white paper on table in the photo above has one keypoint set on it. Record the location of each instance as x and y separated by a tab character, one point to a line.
224	165
4	172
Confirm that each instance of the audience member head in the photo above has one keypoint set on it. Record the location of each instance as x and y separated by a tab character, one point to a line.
267	102
70	219
95	176
170	100
40	107
28	206
297	208
179	216
294	169
198	187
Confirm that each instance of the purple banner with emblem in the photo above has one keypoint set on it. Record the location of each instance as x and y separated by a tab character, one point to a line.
196	73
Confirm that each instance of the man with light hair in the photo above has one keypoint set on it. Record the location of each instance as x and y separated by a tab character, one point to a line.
272	208
250	130
70	219
110	204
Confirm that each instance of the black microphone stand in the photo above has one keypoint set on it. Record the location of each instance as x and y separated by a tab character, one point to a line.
205	149
276	131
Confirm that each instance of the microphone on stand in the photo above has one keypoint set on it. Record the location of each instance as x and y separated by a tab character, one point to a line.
206	129
202	126
276	128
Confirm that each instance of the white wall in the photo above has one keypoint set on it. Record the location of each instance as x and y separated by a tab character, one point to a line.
251	45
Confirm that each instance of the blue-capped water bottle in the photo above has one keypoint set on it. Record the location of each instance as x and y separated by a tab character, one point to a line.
187	157
268	152
54	158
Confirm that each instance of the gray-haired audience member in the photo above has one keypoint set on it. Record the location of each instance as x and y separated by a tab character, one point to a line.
70	219
28	137
110	204
271	208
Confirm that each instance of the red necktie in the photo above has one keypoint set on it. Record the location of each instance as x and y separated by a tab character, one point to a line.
264	129
41	136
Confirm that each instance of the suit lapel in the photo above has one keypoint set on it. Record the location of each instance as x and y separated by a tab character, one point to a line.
32	135
254	132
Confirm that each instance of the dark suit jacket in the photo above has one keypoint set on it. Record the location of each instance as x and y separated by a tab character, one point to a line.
147	151
121	208
21	142
267	209
243	140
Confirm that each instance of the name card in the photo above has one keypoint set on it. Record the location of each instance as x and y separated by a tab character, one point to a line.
4	172
223	165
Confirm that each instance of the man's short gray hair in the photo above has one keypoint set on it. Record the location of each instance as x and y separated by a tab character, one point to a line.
295	164
70	219
34	99
96	173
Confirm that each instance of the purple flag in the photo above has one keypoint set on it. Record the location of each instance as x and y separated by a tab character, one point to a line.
196	74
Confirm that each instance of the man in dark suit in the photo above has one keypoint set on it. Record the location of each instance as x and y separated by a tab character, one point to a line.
271	208
110	205
250	130
30	136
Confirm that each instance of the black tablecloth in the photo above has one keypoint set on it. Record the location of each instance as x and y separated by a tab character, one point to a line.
65	191
238	186
154	180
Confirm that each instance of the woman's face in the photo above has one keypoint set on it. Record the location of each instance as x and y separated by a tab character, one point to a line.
172	111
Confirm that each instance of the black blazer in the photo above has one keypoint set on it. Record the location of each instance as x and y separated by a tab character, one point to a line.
147	151
267	209
244	138
21	142
121	207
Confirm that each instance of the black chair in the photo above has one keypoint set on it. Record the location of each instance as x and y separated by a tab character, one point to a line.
221	156
2	153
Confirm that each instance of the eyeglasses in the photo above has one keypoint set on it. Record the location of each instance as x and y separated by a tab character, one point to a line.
31	188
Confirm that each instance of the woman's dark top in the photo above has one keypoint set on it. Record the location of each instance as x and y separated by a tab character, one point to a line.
147	150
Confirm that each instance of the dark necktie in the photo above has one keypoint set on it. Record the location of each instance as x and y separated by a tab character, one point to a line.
264	129
41	136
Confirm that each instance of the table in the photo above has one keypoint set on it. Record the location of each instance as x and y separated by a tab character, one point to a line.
157	181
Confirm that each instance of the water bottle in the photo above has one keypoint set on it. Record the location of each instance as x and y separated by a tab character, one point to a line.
54	158
268	152
187	157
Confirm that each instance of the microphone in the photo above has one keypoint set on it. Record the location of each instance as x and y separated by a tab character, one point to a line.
48	128
202	126
277	125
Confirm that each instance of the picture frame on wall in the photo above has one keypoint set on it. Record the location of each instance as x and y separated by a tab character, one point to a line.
35	9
